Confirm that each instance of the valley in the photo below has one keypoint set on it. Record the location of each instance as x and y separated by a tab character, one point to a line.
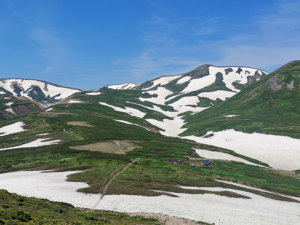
67	151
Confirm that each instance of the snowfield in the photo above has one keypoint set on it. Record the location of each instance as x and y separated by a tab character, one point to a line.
221	156
10	110
48	89
230	116
93	93
161	93
12	128
122	86
184	79
280	152
214	95
162	81
210	208
37	143
172	128
128	110
75	101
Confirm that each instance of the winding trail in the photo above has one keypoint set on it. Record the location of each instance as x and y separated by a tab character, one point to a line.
113	174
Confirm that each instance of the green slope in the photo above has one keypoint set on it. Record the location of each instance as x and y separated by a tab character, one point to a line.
271	105
16	210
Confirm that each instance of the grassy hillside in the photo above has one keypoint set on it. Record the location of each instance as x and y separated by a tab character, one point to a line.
16	210
269	106
152	171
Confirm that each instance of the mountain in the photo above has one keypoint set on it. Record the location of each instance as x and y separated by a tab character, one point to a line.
138	148
269	106
44	92
11	107
173	97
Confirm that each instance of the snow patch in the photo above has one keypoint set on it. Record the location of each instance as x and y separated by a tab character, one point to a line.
49	109
280	152
126	122
171	127
122	86
37	143
183	80
9	103
93	93
10	110
162	81
230	116
214	95
161	93
75	101
210	208
128	110
12	128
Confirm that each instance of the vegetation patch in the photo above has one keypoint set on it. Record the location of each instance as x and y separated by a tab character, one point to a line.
114	147
79	123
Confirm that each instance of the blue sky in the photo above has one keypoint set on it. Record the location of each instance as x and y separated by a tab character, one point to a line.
92	43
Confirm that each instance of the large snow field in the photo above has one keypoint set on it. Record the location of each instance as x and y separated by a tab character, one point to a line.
221	156
33	144
128	110
210	208
134	124
280	152
12	128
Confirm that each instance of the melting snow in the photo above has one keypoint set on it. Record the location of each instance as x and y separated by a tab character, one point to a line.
230	115
75	101
12	128
214	95
93	93
37	143
210	208
9	103
10	110
128	110
280	152
184	79
171	127
162	81
161	93
48	110
122	86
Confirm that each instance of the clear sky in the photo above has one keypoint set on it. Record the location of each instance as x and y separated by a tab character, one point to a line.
91	43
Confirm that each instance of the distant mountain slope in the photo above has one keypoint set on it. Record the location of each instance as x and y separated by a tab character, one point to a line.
40	91
186	94
11	106
270	106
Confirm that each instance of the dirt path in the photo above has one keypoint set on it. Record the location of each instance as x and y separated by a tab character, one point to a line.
113	174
